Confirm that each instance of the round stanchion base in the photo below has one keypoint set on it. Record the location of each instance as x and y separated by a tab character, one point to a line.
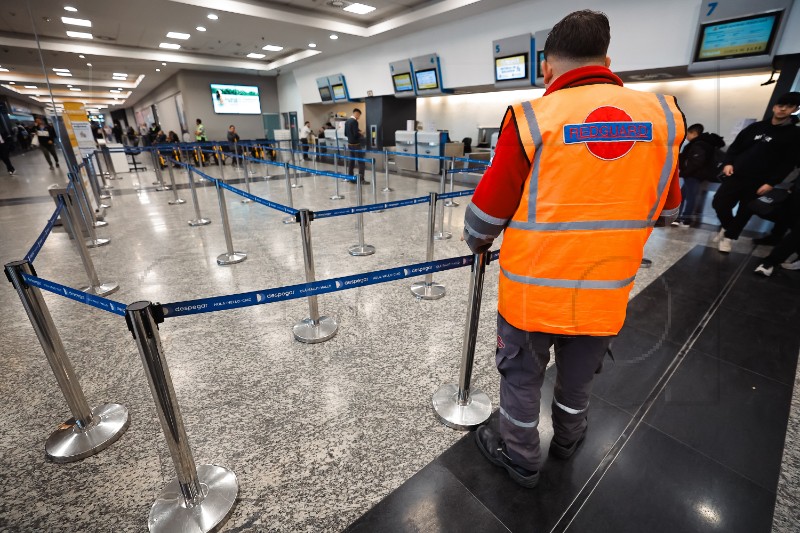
105	196
99	223
310	333
170	513
361	250
463	417
246	201
199	222
105	206
69	443
442	236
387	189
646	263
95	243
337	197
179	201
231	259
102	290
289	220
451	203
424	291
164	188
107	187
297	185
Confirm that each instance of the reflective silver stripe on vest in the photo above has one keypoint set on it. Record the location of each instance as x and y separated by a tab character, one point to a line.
665	170
569	409
481	224
569	283
536	135
517	422
585	225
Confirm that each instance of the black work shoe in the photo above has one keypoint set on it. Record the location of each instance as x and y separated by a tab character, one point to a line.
494	449
565	452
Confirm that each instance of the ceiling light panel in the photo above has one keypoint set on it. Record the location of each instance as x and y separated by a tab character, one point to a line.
70	8
359	9
77	22
212	16
272	48
178	35
334	36
253	55
80	35
3	69
312	45
60	70
120	74
74	89
200	28
67	74
30	86
171	46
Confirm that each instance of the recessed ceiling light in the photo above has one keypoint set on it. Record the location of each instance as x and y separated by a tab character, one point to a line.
60	70
200	28
70	8
12	83
120	74
178	35
77	22
359	9
82	56
171	46
163	64
74	89
3	69
69	85
212	16
158	70
253	55
30	86
88	64
334	36
312	45
66	74
272	48
114	91
80	35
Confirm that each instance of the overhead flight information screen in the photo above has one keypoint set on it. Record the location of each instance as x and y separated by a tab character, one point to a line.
743	37
427	79
511	67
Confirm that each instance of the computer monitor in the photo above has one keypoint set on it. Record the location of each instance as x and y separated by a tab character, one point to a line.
514	67
338	92
427	79
325	94
539	59
753	35
402	82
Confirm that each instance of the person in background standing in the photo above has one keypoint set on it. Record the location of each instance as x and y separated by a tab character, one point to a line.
200	132
46	135
5	148
305	134
143	132
108	133
23	138
173	138
697	164
132	137
233	140
117	131
355	138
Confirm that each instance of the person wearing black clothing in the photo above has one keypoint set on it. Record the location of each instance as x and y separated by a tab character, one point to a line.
47	138
760	157
789	244
233	140
117	131
355	138
5	148
697	165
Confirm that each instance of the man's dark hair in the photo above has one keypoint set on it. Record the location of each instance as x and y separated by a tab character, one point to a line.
357	110
198	121
697	128
580	35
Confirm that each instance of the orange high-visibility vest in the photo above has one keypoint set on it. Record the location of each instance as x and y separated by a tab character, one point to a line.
599	179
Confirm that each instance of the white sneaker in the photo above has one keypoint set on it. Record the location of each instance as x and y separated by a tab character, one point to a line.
764	270
683	225
725	245
719	235
675	223
794	265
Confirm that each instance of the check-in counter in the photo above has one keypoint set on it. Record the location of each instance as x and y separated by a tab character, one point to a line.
430	143
406	143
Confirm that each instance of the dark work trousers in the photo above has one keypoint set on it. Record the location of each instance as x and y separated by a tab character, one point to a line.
790	243
304	148
735	190
351	163
48	149
4	149
522	358
689	193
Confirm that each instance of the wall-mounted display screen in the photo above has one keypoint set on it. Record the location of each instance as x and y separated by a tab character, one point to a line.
539	59
338	92
236	99
325	94
742	37
402	82
427	79
511	67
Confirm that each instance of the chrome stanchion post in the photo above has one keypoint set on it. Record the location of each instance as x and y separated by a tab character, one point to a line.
246	178
90	430
442	235
336	195
460	406
159	183
112	174
99	195
84	205
220	166
70	216
290	219
201	497
315	328
230	257
93	241
175	200
198	220
428	290
295	185
199	152
360	249
374	185
450	202
386	171
235	154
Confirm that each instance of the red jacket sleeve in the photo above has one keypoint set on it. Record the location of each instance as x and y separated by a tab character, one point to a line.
673	202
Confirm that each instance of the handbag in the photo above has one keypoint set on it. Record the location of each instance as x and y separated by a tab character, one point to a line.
35	140
770	204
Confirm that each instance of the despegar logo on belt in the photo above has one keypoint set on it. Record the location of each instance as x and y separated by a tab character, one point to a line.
608	133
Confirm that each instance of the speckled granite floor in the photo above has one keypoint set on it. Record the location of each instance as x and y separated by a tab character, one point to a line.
316	434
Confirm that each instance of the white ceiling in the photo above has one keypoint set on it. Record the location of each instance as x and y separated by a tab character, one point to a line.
127	34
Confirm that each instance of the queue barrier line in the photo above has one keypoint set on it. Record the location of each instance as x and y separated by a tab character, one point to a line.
346	177
354	210
466	170
73	294
304	290
37	246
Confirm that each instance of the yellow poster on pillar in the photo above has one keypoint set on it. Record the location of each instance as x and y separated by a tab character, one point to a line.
79	129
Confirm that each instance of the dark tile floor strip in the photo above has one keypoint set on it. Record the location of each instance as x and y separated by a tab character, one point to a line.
580	500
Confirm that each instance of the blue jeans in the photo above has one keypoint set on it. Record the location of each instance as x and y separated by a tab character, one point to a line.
689	193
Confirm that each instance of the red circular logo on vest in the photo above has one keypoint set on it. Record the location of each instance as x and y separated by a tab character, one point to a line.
609	150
